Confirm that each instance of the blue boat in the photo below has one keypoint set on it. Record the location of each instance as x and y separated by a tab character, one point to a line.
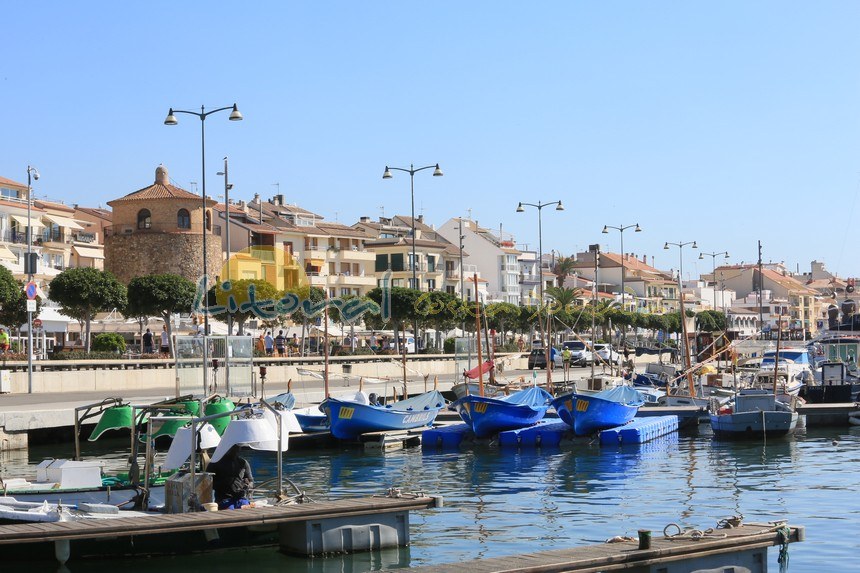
348	420
590	413
489	416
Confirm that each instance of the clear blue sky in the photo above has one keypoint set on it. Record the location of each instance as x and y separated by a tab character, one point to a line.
723	122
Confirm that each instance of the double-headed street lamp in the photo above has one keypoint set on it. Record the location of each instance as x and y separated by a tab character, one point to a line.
681	246
202	115
680	257
714	269
539	206
621	229
412	171
32	175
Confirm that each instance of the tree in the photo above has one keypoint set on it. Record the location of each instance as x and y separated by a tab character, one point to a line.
85	291
240	291
159	295
563	267
13	312
710	321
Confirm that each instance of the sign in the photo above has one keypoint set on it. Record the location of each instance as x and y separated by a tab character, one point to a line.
30	289
31	306
37	323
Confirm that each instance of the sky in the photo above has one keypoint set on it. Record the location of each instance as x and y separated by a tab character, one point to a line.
724	123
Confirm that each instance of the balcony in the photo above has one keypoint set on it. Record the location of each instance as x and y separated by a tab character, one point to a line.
18	237
84	237
48	238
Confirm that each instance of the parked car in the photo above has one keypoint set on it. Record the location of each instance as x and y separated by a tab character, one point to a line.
537	359
607	353
580	355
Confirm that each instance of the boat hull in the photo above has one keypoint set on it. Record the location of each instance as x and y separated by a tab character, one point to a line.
590	414
753	425
71	497
348	420
489	416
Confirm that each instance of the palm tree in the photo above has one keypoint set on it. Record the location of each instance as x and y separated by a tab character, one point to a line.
563	267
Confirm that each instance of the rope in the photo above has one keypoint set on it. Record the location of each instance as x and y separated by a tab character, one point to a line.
693	534
784	538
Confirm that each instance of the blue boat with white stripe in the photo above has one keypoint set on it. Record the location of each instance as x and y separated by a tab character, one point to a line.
489	416
590	413
348	420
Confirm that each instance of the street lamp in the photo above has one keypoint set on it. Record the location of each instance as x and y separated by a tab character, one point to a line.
681	246
412	171
714	270
227	187
539	206
202	115
33	173
621	229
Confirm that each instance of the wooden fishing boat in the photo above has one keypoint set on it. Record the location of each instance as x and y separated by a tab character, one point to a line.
487	416
349	419
590	413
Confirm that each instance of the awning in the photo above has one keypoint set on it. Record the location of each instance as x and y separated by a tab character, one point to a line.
22	220
63	222
89	252
6	254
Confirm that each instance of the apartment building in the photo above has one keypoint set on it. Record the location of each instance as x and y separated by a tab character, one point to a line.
494	255
59	237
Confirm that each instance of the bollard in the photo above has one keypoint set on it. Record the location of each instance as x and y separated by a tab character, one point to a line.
644	539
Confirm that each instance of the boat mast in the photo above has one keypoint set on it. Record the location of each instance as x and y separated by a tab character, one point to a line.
478	337
685	342
776	355
325	343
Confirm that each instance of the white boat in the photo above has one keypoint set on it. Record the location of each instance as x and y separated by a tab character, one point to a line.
753	414
793	372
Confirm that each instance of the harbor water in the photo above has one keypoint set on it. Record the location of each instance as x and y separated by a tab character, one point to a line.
503	502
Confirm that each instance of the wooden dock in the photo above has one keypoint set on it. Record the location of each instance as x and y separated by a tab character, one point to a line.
828	414
741	546
191	532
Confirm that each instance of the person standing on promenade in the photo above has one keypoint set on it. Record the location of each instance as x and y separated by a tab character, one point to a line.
165	340
147	342
269	344
281	343
4	341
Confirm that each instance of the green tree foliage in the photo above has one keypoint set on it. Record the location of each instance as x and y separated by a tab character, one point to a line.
13	312
563	267
240	291
159	295
85	291
108	342
711	321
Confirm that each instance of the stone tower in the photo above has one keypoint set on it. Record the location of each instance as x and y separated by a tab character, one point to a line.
159	229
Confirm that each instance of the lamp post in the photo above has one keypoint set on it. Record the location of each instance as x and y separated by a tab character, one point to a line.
714	269
681	246
202	115
412	171
539	206
621	229
32	173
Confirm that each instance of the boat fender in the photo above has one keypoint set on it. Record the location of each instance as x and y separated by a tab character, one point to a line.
854	421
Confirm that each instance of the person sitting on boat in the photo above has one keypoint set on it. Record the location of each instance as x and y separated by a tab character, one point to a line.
233	480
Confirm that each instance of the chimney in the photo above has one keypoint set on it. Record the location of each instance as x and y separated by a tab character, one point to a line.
280	199
420	218
364	219
645	259
243	206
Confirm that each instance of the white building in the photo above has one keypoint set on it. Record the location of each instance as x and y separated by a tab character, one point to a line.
494	255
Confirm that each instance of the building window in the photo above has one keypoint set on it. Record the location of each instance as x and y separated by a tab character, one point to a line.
207	220
183	219
144	219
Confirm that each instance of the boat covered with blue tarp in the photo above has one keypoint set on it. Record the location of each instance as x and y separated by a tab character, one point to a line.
488	416
590	413
349	420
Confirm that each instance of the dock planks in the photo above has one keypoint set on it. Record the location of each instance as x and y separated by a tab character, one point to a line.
626	555
183	522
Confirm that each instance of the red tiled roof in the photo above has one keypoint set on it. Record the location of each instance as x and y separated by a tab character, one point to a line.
4	181
158	191
97	212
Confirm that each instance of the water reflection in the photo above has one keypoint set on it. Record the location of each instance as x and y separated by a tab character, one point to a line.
501	502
